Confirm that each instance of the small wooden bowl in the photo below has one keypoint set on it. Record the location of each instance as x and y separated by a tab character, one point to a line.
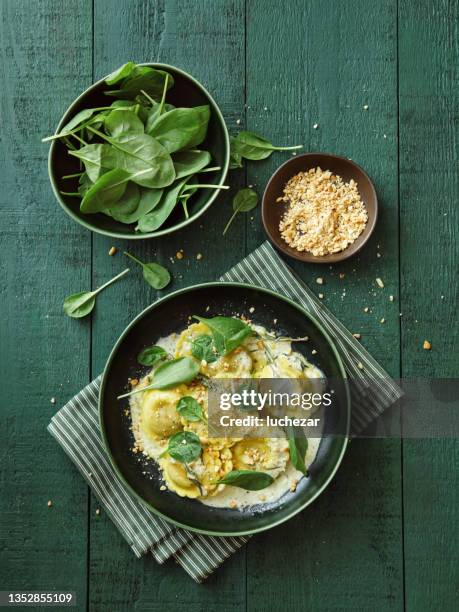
272	211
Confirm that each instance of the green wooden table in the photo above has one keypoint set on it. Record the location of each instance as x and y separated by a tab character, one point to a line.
384	535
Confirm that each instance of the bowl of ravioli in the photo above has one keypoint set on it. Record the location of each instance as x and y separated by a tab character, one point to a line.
154	410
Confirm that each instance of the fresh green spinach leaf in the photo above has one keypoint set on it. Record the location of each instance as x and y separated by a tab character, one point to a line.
140	78
184	446
227	332
190	409
254	147
190	162
146	160
120	123
120	73
202	347
81	304
156	275
151	355
244	201
105	192
298	445
128	202
170	374
247	479
149	198
97	159
181	128
154	219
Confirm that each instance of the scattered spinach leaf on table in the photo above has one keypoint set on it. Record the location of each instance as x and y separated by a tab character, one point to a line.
251	146
244	201
156	276
81	304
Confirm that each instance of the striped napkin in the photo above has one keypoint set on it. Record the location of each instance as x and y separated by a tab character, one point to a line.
76	429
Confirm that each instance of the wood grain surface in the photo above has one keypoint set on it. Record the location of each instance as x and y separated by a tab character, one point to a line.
384	535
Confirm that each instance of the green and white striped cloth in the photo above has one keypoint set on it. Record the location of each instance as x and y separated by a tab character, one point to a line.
76	428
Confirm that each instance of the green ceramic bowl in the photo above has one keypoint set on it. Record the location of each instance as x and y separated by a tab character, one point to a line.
185	92
170	314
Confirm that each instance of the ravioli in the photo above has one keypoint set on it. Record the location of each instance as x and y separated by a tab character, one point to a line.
155	419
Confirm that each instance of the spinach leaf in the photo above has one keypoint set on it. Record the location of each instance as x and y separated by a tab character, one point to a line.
170	374
247	479
119	123
151	355
140	78
252	146
203	347
156	276
190	409
76	122
175	372
154	219
146	160
97	159
298	445
227	332
181	128
184	446
80	304
190	162
107	190
120	73
128	202
80	117
244	201
84	184
149	198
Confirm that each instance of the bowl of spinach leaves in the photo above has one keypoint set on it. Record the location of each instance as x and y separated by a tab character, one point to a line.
140	154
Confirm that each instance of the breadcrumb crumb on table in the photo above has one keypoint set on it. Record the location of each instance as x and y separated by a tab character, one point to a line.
324	214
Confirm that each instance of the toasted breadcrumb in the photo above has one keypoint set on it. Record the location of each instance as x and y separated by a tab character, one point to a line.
324	213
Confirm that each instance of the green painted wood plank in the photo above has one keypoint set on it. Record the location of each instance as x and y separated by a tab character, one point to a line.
429	192
322	64
46	62
206	39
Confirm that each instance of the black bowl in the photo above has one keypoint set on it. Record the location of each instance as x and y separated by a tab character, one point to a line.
186	91
171	314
